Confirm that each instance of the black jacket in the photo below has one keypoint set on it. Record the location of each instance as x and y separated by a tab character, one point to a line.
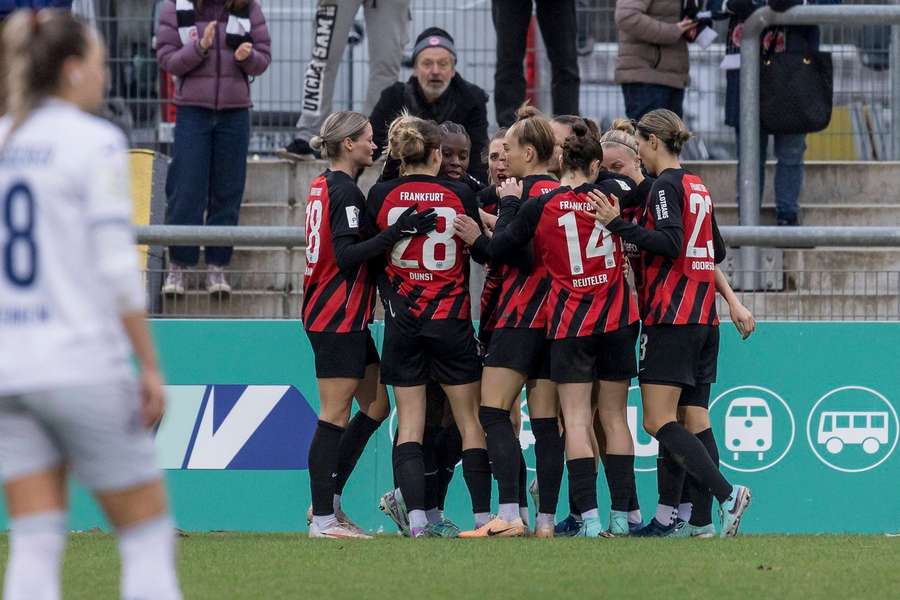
463	102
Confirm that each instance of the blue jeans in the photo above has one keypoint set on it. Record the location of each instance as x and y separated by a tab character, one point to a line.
641	98
789	150
207	175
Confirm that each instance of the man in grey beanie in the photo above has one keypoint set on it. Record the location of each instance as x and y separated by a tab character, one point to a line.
438	93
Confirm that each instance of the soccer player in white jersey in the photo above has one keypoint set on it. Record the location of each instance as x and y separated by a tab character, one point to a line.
71	313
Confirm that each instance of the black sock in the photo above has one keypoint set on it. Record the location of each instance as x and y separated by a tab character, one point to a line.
393	470
503	451
669	478
477	473
410	469
549	451
323	460
523	478
583	475
448	451
353	442
429	459
689	452
620	478
701	513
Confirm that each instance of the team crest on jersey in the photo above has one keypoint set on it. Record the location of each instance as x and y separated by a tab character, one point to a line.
352	217
249	427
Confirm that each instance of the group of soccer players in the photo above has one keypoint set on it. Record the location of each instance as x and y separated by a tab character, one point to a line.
595	248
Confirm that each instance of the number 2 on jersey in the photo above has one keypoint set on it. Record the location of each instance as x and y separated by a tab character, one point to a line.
432	241
600	243
19	223
700	205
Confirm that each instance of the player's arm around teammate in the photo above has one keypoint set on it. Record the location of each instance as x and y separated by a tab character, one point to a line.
69	400
338	304
428	328
680	243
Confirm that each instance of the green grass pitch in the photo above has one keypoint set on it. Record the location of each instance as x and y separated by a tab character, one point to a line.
243	565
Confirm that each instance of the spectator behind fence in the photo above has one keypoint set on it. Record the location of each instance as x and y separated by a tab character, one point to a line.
559	31
652	65
387	27
435	92
789	148
213	47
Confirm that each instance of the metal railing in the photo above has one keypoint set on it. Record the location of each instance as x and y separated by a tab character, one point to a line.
862	82
272	287
748	168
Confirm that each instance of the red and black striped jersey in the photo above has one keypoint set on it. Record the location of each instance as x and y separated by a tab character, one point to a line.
430	270
489	202
525	283
633	206
585	263
334	300
680	247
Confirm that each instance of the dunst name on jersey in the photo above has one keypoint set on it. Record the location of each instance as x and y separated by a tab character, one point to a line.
582	206
414	276
703	265
589	281
421	196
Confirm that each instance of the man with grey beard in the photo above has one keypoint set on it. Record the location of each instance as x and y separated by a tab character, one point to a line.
435	92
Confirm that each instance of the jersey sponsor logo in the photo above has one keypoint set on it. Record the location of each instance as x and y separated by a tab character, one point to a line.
625	187
244	427
662	208
352	217
312	82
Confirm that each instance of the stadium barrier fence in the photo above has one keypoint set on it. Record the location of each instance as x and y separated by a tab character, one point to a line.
804	413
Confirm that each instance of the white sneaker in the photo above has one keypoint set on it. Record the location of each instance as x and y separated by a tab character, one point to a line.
344	520
174	284
337	532
216	282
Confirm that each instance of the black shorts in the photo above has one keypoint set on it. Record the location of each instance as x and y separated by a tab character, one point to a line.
682	355
606	356
342	354
445	351
523	350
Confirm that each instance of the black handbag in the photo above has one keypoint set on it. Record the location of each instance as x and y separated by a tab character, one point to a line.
795	91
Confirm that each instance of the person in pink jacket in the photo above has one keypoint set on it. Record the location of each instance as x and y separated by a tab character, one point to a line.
213	48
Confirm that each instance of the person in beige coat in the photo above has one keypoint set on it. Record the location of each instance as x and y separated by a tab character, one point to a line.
652	65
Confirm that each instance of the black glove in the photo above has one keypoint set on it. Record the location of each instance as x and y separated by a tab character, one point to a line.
398	309
741	8
783	5
415	223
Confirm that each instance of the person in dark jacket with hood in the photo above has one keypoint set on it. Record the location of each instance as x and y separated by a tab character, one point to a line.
435	92
789	148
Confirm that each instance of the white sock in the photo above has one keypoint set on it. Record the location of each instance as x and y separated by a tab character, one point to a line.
337	502
544	519
481	519
590	514
325	522
635	516
685	509
665	515
36	544
523	514
433	515
148	560
417	519
509	512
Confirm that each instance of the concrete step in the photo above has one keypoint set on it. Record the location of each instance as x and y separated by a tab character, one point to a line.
270	182
818	306
273	214
843	259
240	304
862	215
269	260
